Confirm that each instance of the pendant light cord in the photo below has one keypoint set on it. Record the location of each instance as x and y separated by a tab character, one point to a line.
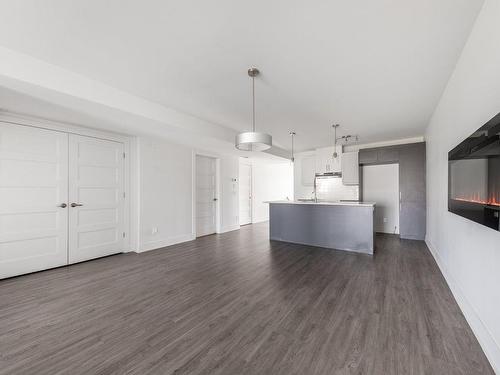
335	139
253	104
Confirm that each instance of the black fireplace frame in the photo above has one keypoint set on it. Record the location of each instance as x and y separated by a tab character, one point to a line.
483	144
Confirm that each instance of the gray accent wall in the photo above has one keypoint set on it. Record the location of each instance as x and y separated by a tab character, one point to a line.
412	187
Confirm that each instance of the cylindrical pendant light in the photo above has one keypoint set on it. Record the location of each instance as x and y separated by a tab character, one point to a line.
253	141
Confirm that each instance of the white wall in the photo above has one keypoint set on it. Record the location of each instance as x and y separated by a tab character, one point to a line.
229	197
165	178
467	252
270	181
165	189
381	185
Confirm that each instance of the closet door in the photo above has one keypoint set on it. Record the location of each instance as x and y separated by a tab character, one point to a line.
33	199
205	195
96	198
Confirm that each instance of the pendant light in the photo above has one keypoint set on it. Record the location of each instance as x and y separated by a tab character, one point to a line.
345	138
253	141
292	159
335	154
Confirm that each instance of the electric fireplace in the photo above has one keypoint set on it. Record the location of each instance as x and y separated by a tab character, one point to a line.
474	176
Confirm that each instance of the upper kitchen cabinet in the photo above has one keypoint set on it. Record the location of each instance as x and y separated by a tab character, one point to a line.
367	156
350	168
388	155
307	170
381	155
325	163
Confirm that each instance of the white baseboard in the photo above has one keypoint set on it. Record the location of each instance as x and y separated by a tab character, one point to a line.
483	335
152	245
229	228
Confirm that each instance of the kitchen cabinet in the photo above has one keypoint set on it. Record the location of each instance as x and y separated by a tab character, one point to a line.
350	168
325	163
412	162
368	156
308	164
383	155
388	155
412	190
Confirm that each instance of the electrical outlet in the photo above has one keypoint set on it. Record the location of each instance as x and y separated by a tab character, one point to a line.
385	220
154	230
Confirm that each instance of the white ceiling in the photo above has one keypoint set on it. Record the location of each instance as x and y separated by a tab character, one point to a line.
377	67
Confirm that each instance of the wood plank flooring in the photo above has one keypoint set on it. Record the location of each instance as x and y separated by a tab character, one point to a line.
238	304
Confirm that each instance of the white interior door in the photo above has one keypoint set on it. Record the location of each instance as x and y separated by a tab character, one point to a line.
245	194
205	195
96	198
381	185
33	186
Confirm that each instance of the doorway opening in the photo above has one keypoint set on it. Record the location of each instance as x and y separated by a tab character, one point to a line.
381	185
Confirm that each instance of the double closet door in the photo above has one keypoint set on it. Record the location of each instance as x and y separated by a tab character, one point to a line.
61	198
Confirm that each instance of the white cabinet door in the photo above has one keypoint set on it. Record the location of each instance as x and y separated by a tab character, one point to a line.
96	198
205	195
350	168
33	185
308	170
245	194
322	160
325	162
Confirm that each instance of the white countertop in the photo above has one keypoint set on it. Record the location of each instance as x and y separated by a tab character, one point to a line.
325	203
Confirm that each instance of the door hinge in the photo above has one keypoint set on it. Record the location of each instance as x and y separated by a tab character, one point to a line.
123	195
124	155
123	234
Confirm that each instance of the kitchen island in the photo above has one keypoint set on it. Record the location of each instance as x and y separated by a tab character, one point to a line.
335	225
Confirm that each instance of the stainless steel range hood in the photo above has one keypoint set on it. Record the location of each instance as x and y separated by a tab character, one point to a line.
328	174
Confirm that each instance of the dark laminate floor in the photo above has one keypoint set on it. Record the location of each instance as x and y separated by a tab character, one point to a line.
236	304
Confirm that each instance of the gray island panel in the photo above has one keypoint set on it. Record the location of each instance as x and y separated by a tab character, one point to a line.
341	227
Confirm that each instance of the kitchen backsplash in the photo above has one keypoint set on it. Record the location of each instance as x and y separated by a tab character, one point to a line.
332	189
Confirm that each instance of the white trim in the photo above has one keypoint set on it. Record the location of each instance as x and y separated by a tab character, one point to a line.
169	241
135	194
193	193
218	204
229	228
41	123
484	337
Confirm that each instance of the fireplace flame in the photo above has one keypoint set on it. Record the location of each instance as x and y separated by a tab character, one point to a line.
492	200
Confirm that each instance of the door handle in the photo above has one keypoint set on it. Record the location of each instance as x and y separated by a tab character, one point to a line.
76	204
63	205
215	199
